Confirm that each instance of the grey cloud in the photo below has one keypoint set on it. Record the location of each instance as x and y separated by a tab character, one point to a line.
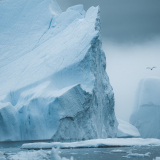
124	20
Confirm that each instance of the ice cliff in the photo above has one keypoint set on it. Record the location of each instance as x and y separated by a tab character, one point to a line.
146	113
53	80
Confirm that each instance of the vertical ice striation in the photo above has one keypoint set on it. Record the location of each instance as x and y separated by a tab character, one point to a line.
55	86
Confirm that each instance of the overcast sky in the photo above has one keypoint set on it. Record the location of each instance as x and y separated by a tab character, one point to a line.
124	20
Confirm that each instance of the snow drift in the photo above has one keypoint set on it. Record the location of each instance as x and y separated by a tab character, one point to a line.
146	113
53	73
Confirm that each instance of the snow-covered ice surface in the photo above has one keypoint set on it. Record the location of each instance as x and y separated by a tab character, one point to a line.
53	73
95	143
146	113
126	130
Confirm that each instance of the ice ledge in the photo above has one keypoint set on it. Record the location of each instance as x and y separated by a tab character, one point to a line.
113	142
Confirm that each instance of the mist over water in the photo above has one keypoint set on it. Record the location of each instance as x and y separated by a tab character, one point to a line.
126	66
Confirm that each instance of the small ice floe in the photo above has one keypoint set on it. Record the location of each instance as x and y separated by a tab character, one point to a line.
137	155
9	153
97	151
37	155
157	158
130	151
2	157
1	153
55	155
118	151
30	155
85	154
106	152
73	153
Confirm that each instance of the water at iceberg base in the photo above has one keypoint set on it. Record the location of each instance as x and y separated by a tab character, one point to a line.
120	153
89	150
34	155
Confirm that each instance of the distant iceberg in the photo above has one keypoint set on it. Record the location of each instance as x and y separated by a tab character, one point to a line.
146	113
53	73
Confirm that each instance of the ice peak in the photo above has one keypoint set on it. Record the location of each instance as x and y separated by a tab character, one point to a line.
54	7
93	14
78	8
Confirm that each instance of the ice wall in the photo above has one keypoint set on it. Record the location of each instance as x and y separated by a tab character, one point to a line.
146	113
53	73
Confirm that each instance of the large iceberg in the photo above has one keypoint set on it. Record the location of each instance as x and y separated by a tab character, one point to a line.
146	113
53	80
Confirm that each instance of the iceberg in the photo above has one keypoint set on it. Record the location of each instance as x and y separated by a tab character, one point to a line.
146	112
53	81
126	130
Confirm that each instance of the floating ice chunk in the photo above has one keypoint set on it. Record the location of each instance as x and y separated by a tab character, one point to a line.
55	155
137	155
38	155
31	155
157	158
85	154
2	156
118	151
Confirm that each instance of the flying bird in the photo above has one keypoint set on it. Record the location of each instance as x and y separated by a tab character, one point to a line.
150	68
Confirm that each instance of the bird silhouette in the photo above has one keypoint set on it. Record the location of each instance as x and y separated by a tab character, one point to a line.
150	68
